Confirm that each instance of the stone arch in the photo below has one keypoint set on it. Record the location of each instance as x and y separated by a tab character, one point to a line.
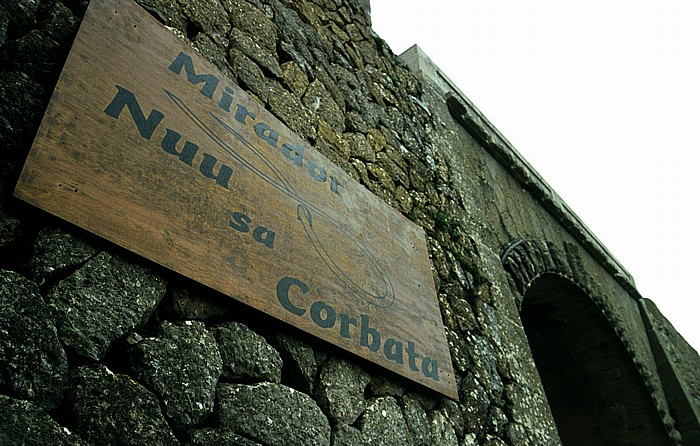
594	378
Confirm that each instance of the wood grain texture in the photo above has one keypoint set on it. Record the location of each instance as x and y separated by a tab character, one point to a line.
148	145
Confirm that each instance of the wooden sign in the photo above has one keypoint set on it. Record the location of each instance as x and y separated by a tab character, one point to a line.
148	145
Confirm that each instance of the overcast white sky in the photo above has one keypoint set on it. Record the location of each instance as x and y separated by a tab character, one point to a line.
603	99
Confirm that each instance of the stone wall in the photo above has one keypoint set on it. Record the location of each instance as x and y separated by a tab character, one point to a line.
99	347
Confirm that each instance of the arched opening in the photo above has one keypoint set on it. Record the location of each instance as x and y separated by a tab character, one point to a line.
596	394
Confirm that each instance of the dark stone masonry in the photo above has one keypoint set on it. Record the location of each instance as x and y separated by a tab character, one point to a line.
550	340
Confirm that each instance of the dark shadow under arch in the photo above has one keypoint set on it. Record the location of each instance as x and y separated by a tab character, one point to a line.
595	392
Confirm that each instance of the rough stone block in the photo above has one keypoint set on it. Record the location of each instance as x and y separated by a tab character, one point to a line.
416	421
250	46
246	355
383	424
209	16
300	364
217	437
114	409
254	22
476	402
441	429
20	111
182	365
195	302
341	390
60	25
344	435
319	100
22	424
272	414
103	301
294	78
22	14
37	55
57	251
33	364
381	385
12	220
292	112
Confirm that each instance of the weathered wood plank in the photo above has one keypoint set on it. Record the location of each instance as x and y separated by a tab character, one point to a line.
148	145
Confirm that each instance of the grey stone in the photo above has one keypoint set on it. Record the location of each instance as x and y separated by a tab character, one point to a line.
341	390
464	278
416	421
453	412
298	39
254	23
114	409
470	440
213	53
33	364
167	11
464	315
292	112
484	366
294	78
318	99
57	251
441	429
37	55
103	301
24	424
361	171
344	435
331	144
12	220
60	24
359	147
322	75
246	355
195	302
354	32
515	433
301	56
488	320
217	437
182	365
10	226
4	23
382	423
249	74
379	174
300	363
209	16
22	14
496	420
396	173
492	440
20	111
429	400
404	199
376	140
251	48
354	122
272	414
371	112
380	385
476	402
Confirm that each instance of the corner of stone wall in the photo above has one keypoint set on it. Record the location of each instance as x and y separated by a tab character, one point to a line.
679	370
